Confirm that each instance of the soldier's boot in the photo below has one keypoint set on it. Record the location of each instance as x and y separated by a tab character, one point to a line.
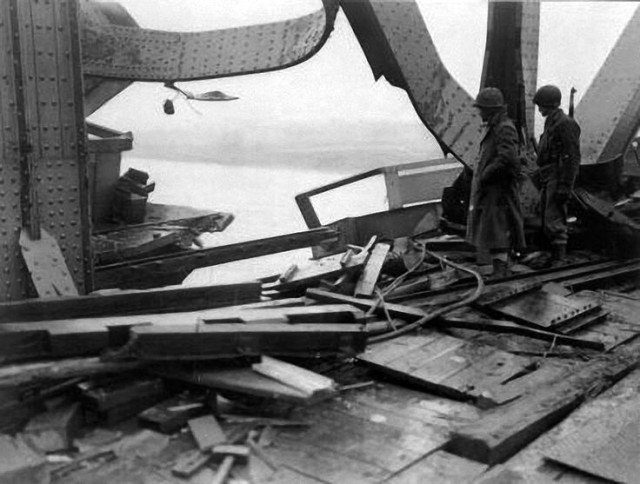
558	254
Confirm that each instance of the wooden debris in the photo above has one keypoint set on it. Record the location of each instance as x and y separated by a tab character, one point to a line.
326	268
170	415
239	452
244	381
190	463
207	432
286	275
331	313
35	373
369	277
502	432
54	430
131	302
118	392
311	384
448	366
119	400
224	340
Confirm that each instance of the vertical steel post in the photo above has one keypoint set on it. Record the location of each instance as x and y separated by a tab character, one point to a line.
43	171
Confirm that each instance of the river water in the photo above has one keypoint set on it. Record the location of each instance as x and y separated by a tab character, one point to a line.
262	201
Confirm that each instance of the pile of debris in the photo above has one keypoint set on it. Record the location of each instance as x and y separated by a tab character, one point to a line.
188	383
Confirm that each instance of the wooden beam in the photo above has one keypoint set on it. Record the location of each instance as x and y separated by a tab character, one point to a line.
172	269
36	373
367	282
131	302
502	432
200	341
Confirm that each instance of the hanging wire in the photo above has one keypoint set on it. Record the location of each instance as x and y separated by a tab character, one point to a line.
471	297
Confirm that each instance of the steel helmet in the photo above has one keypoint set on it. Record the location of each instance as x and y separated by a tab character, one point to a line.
547	96
489	97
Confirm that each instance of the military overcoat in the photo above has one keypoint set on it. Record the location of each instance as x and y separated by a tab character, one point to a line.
495	215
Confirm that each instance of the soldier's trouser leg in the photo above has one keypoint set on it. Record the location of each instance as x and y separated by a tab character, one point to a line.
554	214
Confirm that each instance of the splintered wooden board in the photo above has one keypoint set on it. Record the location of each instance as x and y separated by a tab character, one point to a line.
447	365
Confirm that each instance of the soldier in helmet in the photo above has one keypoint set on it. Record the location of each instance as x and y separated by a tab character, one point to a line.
559	160
495	222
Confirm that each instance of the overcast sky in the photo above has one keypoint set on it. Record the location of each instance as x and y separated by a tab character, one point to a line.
336	85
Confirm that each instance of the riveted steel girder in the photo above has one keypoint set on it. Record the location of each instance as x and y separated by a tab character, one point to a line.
126	52
43	182
395	39
609	111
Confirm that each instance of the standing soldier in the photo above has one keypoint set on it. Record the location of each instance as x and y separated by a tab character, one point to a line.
495	223
559	160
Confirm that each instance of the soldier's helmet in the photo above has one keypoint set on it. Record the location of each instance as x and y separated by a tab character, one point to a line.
548	96
489	97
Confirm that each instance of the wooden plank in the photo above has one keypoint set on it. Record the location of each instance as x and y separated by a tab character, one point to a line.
173	268
308	382
502	432
36	373
205	341
530	465
171	415
131	302
190	463
331	314
47	267
448	366
369	277
240	380
118	392
207	432
441	467
316	270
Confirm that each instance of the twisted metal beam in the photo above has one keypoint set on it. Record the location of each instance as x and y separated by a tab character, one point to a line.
126	52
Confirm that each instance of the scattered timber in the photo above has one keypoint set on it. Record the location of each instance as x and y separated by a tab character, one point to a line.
367	281
312	384
225	340
37	373
207	432
502	432
173	268
243	381
131	302
448	366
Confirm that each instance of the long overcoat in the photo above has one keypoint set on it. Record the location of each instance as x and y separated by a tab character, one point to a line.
495	215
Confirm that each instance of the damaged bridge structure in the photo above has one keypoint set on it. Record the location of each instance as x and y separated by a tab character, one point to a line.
388	356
